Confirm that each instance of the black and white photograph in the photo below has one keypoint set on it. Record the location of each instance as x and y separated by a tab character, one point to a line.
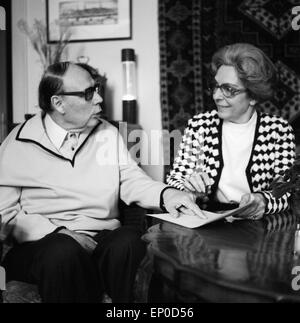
89	19
149	154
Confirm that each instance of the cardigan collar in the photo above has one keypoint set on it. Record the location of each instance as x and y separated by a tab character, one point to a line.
33	131
55	132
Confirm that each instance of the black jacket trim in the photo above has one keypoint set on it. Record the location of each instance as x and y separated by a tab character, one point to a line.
72	161
248	168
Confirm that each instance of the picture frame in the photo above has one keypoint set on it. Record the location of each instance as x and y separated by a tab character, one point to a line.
89	20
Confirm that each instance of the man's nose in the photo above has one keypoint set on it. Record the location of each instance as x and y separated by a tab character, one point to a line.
97	98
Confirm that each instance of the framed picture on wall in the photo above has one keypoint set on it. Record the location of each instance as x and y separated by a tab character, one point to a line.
89	20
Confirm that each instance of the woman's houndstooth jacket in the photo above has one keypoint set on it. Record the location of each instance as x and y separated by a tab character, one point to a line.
273	151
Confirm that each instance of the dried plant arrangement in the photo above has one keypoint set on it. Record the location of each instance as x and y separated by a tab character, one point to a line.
48	53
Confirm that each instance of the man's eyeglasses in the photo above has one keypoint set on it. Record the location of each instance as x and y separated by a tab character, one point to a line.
227	90
88	93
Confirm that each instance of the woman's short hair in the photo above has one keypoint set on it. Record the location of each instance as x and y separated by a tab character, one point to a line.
51	83
255	70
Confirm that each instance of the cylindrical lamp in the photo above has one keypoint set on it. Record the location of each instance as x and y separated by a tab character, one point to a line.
129	86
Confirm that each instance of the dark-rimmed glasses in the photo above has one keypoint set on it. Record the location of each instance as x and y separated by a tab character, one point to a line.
88	93
227	90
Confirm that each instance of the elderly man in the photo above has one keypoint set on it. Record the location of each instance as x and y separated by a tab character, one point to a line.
59	193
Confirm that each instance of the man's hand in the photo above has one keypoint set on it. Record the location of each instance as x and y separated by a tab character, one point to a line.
87	243
177	202
256	206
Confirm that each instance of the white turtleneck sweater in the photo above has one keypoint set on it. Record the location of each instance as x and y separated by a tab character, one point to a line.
237	141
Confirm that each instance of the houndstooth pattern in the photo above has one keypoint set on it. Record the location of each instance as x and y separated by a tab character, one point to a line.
273	152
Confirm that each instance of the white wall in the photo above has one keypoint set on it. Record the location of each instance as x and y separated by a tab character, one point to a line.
104	55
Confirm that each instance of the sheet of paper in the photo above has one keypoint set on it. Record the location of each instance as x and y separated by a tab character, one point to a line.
194	221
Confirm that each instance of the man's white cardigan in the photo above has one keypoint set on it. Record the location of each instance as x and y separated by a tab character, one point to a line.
41	190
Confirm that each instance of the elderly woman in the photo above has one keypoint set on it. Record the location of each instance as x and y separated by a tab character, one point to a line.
233	153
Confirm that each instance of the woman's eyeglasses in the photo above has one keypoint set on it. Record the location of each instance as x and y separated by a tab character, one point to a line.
88	93
227	90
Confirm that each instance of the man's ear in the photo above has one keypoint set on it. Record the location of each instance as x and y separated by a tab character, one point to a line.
58	104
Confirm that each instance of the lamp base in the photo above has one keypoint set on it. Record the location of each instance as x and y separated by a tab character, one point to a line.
129	111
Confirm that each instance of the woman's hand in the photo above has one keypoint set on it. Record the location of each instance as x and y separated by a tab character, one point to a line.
256	206
199	184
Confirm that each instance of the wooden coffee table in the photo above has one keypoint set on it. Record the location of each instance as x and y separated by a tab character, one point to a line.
241	261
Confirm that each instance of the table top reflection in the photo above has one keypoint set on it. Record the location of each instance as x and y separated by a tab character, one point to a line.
227	261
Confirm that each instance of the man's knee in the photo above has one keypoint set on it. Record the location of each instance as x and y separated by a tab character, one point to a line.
128	237
124	240
62	249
